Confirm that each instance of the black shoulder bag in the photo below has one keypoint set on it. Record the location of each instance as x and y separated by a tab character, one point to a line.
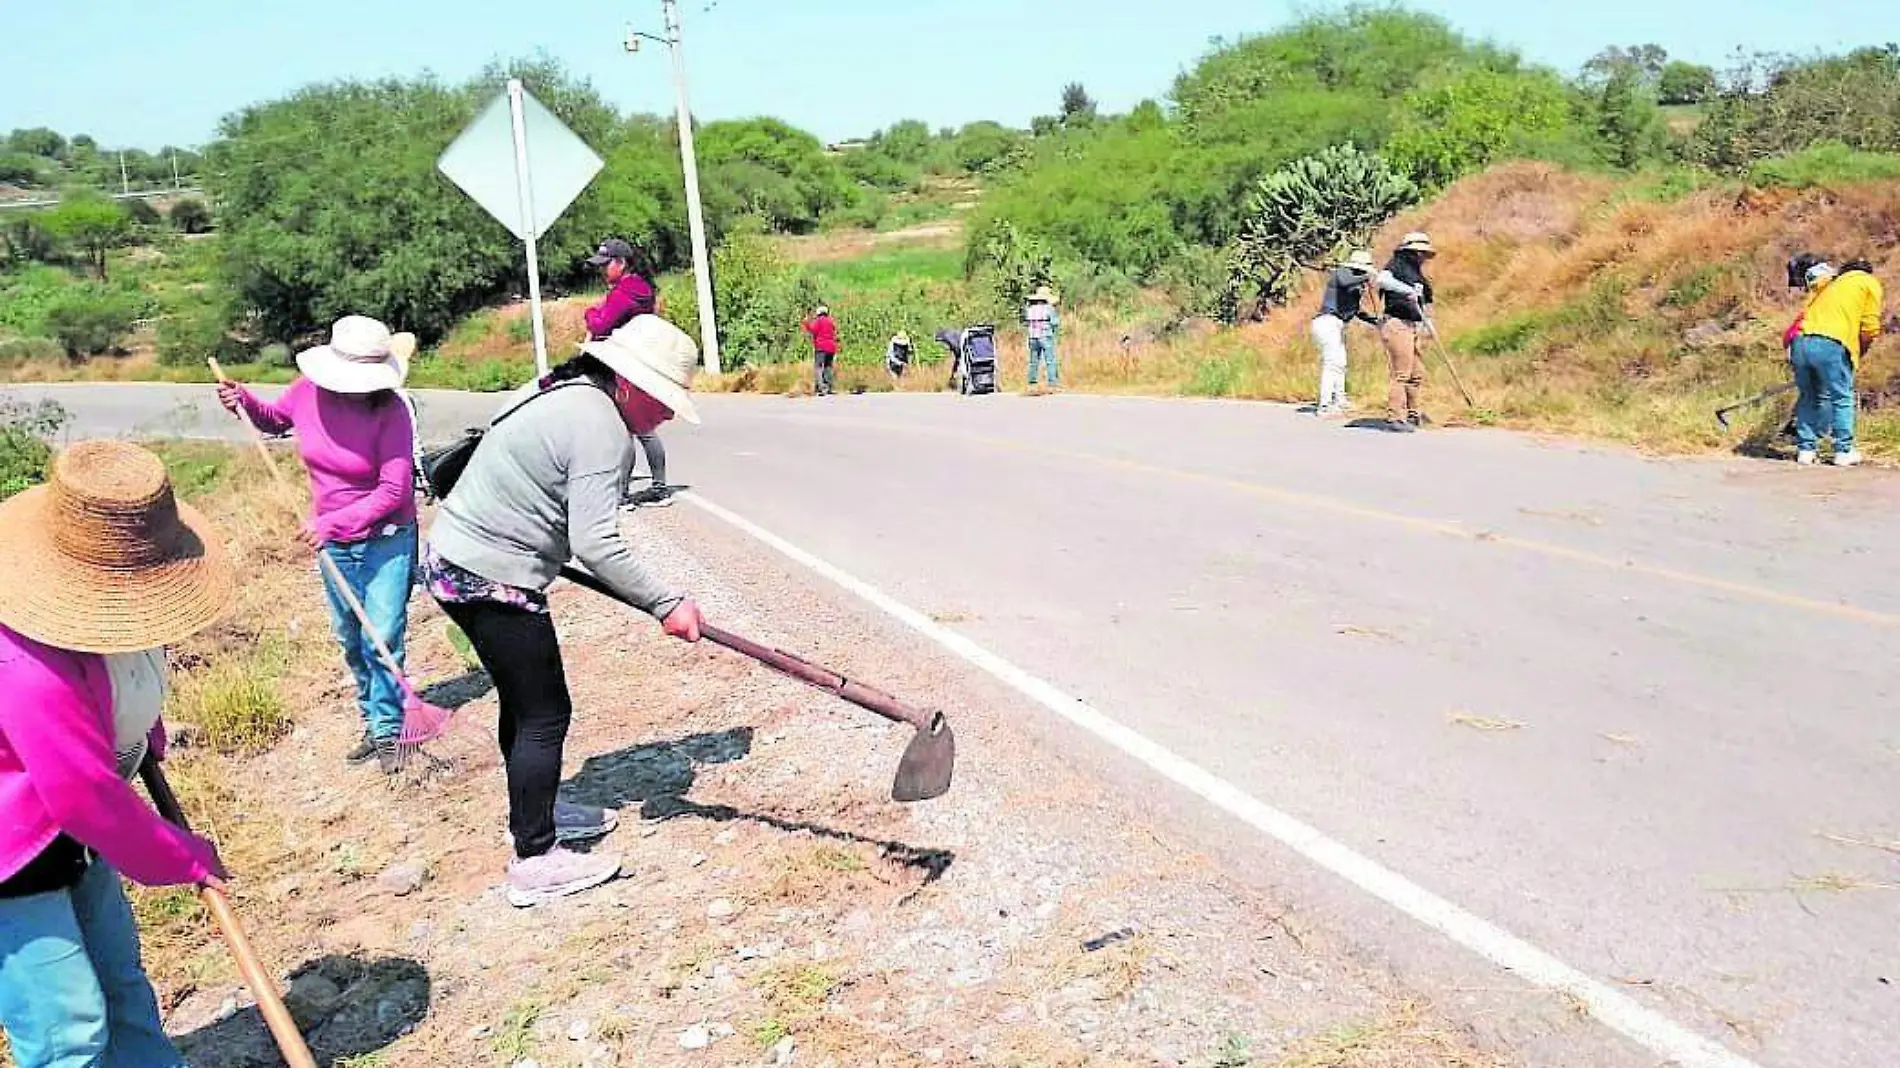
443	467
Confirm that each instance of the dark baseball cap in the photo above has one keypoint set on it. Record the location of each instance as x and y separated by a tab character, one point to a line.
611	249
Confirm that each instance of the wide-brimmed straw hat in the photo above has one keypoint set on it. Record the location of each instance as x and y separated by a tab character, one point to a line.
1358	260
362	357
1418	241
657	357
901	338
104	559
1043	294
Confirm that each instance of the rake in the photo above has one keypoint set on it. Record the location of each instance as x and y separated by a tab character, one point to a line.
923	773
421	721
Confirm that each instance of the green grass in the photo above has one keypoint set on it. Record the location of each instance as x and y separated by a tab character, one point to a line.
1827	164
235	702
883	269
196	468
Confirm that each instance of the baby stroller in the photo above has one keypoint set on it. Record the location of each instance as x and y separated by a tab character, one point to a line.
972	358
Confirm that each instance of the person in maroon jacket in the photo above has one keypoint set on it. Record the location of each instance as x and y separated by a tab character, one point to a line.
630	292
824	349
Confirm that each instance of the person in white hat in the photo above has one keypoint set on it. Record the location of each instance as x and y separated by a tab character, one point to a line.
543	487
897	357
1041	323
1408	312
1343	301
357	438
824	350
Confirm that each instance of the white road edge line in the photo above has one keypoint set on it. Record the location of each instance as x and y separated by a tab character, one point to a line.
1616	1010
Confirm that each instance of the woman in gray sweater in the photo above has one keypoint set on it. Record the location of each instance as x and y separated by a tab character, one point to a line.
544	487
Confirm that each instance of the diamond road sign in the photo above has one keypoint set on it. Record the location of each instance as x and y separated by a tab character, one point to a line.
482	162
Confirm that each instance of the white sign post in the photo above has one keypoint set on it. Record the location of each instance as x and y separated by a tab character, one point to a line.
524	167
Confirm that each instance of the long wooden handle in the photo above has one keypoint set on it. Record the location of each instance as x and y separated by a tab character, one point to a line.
276	1017
323	559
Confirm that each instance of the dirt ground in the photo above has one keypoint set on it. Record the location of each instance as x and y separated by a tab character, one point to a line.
774	906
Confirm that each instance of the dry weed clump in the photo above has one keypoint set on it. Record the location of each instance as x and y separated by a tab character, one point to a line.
1404	1039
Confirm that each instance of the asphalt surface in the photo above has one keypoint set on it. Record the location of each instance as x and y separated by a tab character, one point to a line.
1614	705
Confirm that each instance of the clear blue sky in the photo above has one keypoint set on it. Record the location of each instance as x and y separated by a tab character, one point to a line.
138	73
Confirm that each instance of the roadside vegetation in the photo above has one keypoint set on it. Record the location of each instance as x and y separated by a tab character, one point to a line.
1180	235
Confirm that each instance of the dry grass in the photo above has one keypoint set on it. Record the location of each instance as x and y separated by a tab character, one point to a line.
1865	843
1405	1039
1834	882
1493	724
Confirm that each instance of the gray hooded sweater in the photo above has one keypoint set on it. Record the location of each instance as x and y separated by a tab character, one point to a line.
544	486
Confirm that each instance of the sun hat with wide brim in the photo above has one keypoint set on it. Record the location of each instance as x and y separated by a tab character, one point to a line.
900	338
104	559
1359	260
362	357
1043	294
657	357
1418	242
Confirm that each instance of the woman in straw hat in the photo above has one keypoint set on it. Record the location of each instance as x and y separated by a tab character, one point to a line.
1408	311
1041	323
1342	303
99	570
357	439
544	487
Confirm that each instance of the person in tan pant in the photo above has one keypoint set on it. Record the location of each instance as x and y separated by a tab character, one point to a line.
1408	306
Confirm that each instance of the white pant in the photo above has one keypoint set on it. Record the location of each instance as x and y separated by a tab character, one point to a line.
1329	333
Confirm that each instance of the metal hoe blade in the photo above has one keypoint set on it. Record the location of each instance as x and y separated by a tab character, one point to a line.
929	761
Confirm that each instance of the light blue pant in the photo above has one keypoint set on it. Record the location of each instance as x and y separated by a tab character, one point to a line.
72	991
1825	376
1043	350
379	571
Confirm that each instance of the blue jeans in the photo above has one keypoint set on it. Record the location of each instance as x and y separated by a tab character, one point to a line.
72	991
379	571
1043	350
1825	376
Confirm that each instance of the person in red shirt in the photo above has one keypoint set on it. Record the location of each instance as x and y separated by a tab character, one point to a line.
631	292
824	349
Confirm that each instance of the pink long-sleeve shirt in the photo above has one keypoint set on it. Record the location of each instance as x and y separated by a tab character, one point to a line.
58	772
360	453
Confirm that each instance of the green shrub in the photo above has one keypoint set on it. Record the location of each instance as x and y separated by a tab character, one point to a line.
28	294
1215	376
1195	281
1826	164
1307	213
25	448
90	319
21	350
1504	337
187	338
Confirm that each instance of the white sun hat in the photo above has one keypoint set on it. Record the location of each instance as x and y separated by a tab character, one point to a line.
657	357
362	357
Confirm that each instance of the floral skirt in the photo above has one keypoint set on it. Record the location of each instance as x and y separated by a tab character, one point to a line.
452	584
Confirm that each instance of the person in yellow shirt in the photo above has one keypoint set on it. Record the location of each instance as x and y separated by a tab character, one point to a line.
1841	321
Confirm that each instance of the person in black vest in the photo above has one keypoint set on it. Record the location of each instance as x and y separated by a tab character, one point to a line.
1408	313
1342	303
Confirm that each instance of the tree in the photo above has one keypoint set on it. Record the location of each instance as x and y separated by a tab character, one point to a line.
1471	118
1309	212
191	216
1685	83
1078	108
90	320
19	168
982	145
1627	119
38	141
329	203
908	141
1646	61
92	223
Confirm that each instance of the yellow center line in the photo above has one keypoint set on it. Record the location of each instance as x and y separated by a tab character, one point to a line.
1337	506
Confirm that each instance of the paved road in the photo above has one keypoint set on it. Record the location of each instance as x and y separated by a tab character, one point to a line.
1700	655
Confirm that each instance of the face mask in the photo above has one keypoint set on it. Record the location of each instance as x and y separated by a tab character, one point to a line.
138	696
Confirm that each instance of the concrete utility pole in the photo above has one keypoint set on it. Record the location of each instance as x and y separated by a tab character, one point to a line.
176	184
695	215
125	182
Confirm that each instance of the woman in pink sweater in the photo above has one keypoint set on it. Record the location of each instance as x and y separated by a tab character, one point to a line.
99	570
357	440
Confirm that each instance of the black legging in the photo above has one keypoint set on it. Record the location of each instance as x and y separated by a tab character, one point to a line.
521	653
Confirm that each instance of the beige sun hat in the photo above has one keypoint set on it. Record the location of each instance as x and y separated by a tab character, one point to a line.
362	357
901	338
104	559
657	357
1044	295
1418	241
1359	260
